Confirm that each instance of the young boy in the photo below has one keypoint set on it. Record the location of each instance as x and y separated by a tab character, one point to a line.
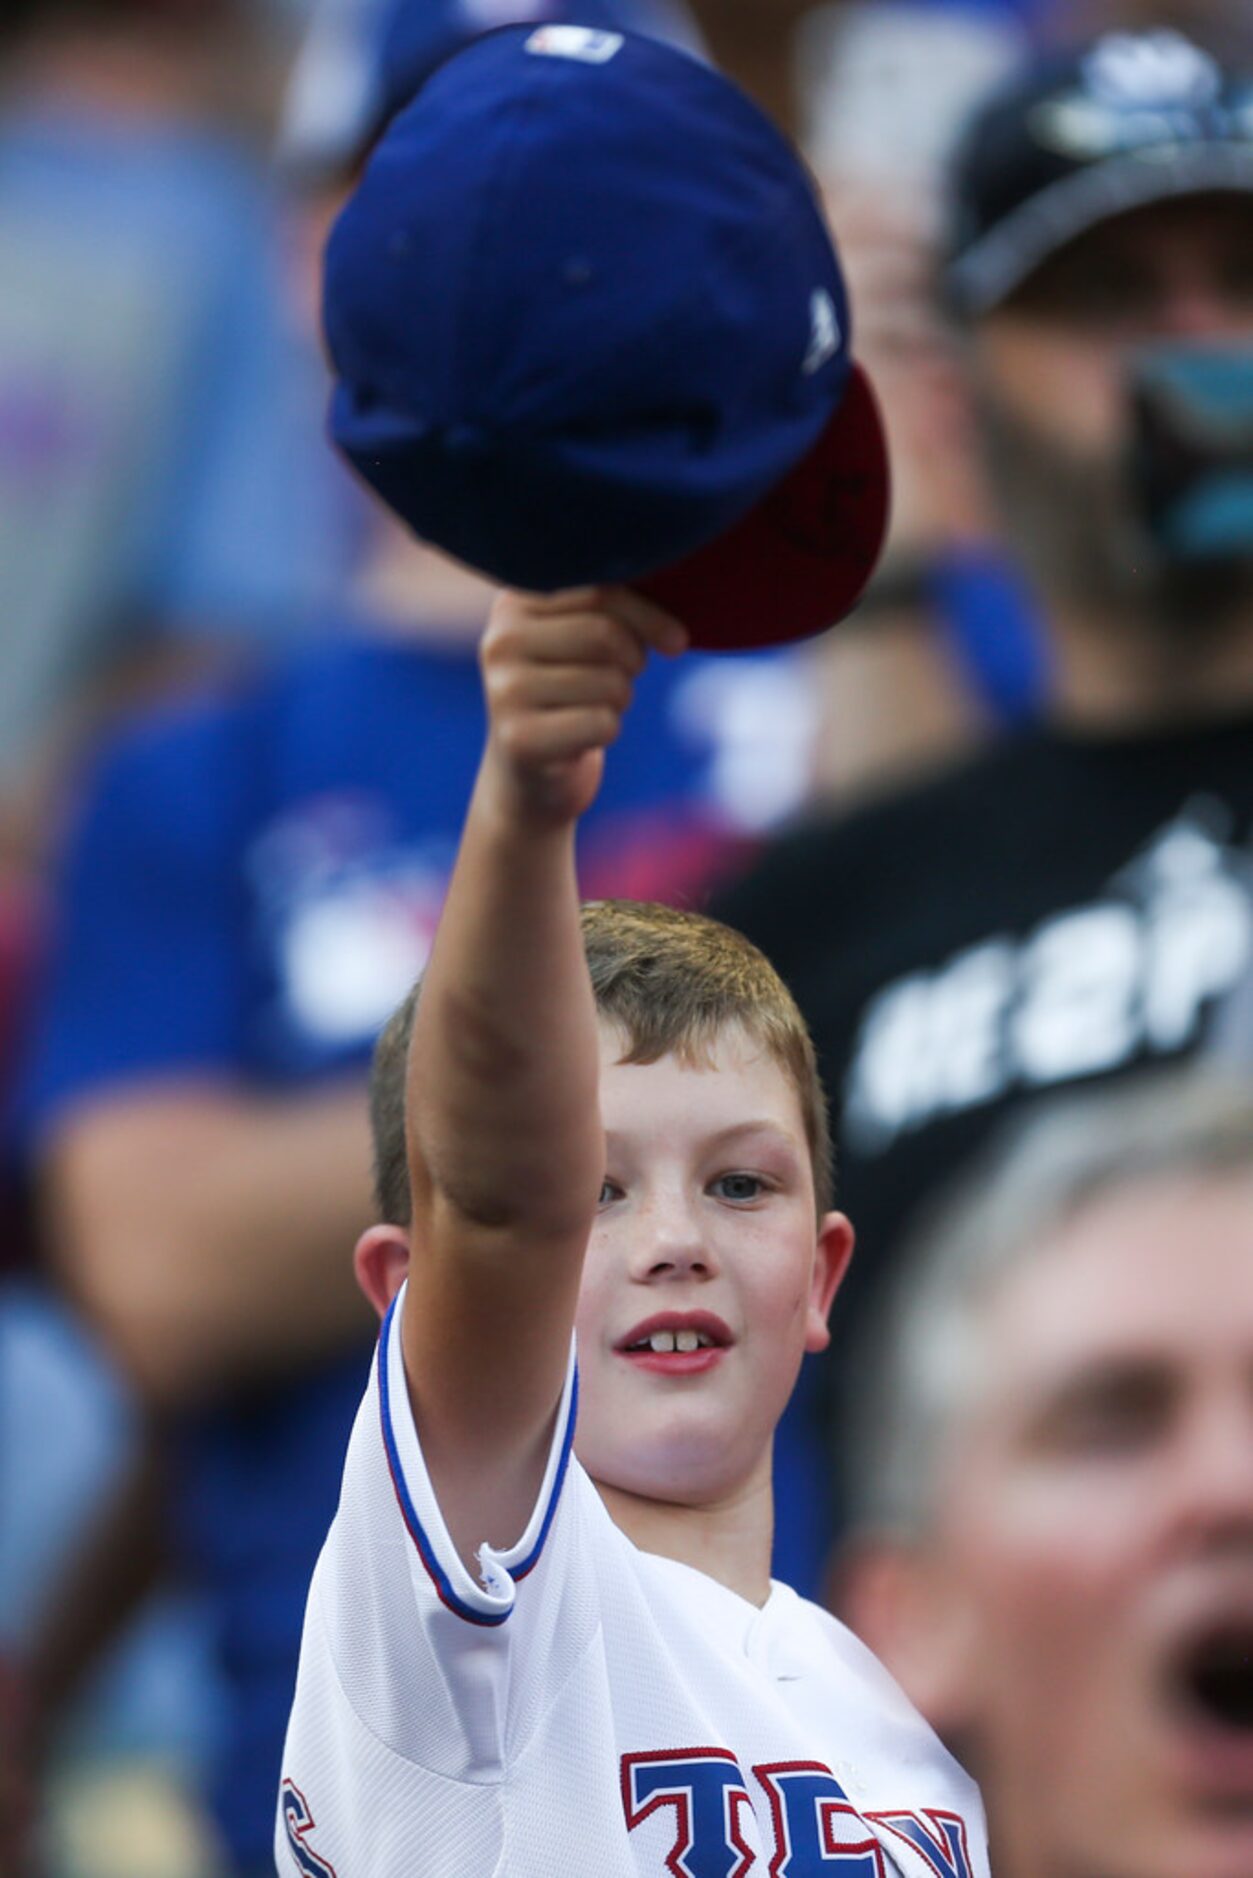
539	1663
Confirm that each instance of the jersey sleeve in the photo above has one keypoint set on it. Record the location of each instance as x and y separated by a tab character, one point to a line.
491	1599
439	1676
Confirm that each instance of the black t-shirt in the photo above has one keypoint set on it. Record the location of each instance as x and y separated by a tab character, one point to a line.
1056	911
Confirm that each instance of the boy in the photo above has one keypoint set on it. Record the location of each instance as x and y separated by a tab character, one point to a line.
522	1661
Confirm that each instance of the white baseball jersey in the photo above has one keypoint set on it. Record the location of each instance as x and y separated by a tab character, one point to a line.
586	1710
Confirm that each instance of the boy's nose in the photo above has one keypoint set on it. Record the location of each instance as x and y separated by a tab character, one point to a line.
671	1244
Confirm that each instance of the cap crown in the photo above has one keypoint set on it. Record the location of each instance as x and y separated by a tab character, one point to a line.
583	308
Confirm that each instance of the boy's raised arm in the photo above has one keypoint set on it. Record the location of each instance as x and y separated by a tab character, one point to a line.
505	1145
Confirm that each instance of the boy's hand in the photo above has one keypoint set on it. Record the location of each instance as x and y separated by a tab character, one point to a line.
558	673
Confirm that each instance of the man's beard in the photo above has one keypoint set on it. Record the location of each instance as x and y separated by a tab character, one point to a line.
1072	523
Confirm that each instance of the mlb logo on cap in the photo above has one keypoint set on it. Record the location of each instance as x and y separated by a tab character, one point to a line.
574	42
588	326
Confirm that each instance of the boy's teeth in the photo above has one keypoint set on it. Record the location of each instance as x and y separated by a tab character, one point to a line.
666	1342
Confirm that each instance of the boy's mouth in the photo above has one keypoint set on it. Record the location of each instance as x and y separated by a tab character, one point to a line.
677	1342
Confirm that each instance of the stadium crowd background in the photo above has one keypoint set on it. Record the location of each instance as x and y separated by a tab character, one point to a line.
238	717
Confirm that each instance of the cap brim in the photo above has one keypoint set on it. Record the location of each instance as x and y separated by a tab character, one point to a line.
994	266
798	561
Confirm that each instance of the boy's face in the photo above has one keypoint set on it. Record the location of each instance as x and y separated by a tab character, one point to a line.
705	1237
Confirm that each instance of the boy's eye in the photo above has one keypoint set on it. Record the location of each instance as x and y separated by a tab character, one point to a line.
609	1190
739	1186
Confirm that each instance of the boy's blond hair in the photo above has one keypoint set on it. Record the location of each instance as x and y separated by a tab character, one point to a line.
671	982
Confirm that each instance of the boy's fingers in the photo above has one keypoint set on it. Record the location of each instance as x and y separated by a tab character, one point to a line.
550	687
565	600
647	621
558	735
657	628
575	638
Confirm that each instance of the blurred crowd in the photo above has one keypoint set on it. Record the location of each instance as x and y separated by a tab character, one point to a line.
996	832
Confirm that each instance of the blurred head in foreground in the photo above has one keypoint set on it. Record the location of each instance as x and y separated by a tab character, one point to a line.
1051	1535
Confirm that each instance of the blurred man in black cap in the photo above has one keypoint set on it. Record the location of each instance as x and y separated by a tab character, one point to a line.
1072	904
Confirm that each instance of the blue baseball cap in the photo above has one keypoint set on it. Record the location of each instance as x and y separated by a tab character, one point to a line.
587	326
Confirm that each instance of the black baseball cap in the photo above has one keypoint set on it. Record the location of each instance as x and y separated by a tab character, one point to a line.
1078	138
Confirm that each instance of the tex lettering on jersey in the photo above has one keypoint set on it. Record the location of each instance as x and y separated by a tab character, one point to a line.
299	1821
803	1815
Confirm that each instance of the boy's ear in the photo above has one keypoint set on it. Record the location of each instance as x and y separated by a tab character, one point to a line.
381	1262
834	1250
